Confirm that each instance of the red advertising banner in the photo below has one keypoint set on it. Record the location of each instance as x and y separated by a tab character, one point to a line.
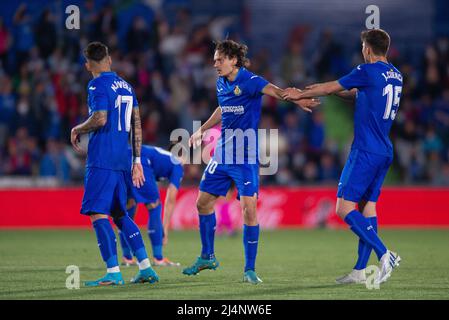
278	207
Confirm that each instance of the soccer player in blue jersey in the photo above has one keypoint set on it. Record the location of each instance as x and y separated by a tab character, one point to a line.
158	164
376	86
113	115
239	94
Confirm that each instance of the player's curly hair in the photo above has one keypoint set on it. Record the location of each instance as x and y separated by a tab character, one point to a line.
96	51
233	49
377	39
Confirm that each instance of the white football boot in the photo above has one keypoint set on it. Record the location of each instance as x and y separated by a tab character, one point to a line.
355	276
388	262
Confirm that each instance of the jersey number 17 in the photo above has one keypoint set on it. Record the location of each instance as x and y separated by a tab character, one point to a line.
128	100
393	97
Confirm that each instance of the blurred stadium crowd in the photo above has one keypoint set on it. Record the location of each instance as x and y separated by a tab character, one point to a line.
170	64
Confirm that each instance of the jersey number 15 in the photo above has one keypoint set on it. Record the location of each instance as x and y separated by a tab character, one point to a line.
392	100
128	100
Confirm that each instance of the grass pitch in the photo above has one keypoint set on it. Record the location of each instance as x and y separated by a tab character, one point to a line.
294	264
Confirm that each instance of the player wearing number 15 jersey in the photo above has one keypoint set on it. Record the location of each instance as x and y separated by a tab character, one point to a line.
376	87
113	115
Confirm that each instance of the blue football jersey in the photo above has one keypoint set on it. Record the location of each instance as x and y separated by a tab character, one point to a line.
108	146
240	103
159	160
379	87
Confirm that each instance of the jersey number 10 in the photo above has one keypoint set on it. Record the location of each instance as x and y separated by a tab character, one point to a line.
128	100
392	100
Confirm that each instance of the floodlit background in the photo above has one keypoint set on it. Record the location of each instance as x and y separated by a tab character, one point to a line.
164	48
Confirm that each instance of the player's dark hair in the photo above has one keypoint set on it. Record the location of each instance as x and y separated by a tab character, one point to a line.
232	49
96	51
378	40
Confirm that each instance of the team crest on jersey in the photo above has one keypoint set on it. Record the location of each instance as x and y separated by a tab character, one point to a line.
237	91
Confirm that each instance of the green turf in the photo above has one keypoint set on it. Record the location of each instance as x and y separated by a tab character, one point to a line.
294	264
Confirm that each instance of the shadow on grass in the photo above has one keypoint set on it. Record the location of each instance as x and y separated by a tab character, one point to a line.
257	291
147	291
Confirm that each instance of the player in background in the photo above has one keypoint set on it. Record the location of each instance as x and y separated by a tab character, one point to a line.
376	86
113	114
239	94
158	164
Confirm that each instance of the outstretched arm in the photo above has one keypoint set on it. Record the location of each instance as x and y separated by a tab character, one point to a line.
273	91
136	127
95	121
197	136
315	90
347	94
169	208
276	92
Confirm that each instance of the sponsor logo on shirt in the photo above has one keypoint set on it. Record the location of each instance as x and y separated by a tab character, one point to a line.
233	109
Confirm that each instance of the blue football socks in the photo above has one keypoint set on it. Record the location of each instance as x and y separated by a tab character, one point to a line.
132	236
364	249
155	231
361	227
106	242
250	243
132	211
207	232
126	249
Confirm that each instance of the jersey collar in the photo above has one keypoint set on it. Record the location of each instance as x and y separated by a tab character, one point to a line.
386	63
108	73
237	76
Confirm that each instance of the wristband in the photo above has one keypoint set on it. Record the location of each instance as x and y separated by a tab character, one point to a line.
136	160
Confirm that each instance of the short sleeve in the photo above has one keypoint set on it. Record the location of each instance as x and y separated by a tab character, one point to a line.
357	78
256	85
145	152
176	175
135	103
99	98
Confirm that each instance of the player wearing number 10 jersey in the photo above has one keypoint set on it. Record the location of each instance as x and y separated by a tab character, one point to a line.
113	115
239	94
376	86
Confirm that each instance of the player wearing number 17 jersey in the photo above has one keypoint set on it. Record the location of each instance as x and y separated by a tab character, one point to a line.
113	115
376	86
